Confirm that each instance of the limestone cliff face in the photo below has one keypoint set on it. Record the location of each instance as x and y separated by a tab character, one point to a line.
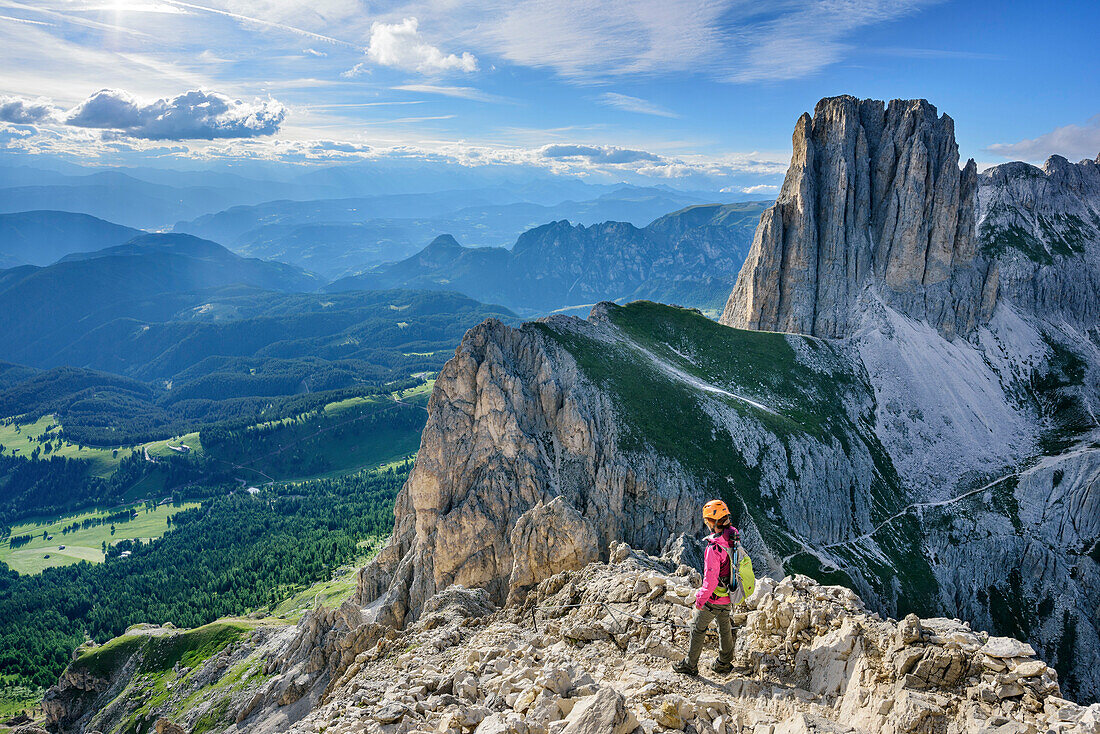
874	198
1043	228
517	478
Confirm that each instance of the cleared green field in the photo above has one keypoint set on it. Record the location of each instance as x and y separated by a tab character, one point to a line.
160	448
417	395
18	440
15	699
82	544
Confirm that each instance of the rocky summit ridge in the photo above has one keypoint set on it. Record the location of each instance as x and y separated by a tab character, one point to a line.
587	652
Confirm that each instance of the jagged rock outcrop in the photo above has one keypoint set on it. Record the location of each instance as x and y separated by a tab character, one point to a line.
1043	228
517	478
873	199
588	652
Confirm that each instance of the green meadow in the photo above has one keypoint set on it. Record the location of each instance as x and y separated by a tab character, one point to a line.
21	439
81	544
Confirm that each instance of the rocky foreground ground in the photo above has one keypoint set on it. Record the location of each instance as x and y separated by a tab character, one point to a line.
589	652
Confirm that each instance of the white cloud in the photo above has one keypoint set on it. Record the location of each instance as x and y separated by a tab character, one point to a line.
760	189
192	115
314	52
635	104
24	112
1072	141
400	45
597	154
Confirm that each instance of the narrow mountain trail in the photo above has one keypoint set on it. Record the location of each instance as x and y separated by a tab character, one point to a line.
675	372
897	515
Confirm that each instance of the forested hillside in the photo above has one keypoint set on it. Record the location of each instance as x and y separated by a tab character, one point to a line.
235	554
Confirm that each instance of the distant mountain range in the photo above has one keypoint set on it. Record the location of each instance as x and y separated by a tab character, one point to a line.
43	237
47	309
691	256
341	237
168	331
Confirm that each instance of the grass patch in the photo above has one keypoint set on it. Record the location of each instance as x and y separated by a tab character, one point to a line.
84	544
193	646
104	660
1058	397
161	652
416	395
330	593
20	439
1061	236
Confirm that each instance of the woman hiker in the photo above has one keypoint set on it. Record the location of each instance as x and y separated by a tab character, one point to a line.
721	590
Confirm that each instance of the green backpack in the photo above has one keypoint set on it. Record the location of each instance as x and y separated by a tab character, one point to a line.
746	579
741	578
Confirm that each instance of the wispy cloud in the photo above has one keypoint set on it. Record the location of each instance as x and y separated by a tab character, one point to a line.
1072	141
73	19
634	104
24	20
262	22
582	40
407	120
452	91
730	40
933	53
804	38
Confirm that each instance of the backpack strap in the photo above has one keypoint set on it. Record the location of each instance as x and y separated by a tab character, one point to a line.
726	584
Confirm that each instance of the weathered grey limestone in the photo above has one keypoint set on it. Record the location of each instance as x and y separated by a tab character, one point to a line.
874	198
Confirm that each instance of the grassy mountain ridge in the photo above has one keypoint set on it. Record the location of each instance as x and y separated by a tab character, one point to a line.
688	388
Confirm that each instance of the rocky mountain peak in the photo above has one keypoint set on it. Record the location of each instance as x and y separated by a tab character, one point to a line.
874	201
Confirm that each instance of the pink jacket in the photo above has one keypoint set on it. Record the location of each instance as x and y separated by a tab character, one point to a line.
719	548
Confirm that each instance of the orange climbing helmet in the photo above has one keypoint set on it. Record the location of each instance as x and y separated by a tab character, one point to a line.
715	510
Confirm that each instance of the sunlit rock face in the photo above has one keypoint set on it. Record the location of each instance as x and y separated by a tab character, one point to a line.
874	198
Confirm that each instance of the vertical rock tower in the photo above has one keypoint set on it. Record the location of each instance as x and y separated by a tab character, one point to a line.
874	202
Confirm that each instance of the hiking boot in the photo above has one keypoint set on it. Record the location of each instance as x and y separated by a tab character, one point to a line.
721	668
683	668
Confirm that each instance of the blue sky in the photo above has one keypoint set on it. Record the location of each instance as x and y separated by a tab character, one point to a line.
700	94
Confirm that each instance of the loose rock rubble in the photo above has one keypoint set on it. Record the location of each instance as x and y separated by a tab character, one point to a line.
588	652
